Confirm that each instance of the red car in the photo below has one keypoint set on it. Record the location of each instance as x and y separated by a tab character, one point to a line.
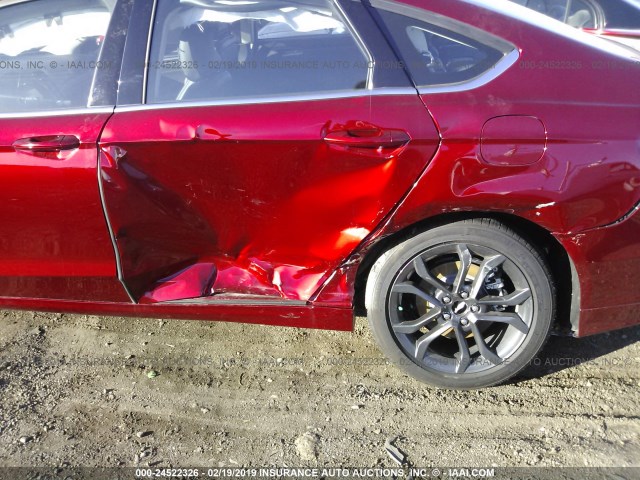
465	175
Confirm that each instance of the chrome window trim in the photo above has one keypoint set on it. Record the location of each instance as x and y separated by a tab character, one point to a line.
446	23
58	113
510	52
337	95
504	64
600	19
147	59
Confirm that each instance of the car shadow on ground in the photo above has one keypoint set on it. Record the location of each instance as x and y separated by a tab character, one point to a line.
561	353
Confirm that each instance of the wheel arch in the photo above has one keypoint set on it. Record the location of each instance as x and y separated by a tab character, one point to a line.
562	266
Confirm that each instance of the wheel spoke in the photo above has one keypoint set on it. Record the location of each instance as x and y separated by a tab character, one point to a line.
423	272
423	342
461	309
512	300
486	268
484	349
463	357
506	317
412	326
463	271
413	290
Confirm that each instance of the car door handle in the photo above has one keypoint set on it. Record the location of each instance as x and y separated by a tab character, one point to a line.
48	144
369	138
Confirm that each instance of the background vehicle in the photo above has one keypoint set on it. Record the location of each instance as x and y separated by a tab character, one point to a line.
617	20
290	163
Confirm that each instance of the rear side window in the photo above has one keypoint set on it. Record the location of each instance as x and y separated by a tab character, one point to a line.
211	50
49	52
436	55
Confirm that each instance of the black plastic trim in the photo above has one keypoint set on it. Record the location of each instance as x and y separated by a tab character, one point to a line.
134	58
389	70
104	90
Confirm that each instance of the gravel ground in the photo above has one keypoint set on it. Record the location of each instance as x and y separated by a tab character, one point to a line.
95	391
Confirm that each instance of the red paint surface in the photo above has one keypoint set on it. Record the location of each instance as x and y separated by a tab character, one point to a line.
267	200
608	261
589	176
192	282
283	201
285	315
53	238
513	141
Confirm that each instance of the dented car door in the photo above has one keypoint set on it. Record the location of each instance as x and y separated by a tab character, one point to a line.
256	166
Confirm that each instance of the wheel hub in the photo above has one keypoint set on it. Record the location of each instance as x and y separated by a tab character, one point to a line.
460	308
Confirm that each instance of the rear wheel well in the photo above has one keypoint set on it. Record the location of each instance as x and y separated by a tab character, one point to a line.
560	264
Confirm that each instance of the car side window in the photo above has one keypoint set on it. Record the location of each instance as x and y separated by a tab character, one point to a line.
49	52
435	55
207	50
576	13
581	14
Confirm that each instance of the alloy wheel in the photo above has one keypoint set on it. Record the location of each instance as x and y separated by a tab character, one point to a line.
460	308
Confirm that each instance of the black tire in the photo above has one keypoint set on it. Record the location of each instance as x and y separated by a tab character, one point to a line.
503	313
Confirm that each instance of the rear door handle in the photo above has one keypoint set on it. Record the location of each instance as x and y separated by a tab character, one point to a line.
384	143
47	144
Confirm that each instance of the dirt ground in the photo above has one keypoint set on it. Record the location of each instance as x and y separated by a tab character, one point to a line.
80	391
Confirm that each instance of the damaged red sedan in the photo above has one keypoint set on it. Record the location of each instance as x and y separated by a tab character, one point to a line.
466	176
